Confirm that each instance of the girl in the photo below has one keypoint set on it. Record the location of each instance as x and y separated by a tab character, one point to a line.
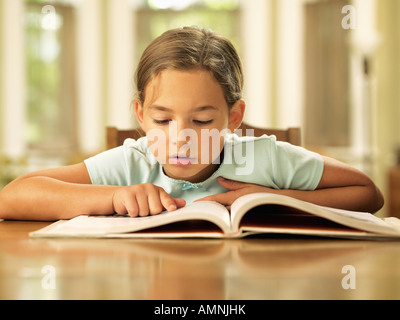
189	82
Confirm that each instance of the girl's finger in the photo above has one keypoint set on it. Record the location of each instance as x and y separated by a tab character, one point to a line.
143	204
224	198
231	184
179	202
154	202
131	206
167	201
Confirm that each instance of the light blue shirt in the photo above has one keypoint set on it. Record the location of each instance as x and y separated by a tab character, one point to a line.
261	160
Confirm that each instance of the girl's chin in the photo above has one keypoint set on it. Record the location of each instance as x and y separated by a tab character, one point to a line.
192	173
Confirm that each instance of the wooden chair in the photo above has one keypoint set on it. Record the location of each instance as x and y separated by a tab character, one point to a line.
116	137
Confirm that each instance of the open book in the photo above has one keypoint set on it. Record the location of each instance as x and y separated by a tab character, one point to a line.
257	213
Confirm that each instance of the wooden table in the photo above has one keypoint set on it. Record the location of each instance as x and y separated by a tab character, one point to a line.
256	268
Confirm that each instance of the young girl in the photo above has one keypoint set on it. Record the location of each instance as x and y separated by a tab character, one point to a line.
188	81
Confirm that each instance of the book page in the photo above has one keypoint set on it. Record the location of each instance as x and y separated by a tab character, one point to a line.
362	216
102	225
358	220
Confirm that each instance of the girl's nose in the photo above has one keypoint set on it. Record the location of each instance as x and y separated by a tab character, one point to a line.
181	134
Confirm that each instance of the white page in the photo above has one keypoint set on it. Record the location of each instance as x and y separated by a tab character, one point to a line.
205	210
363	220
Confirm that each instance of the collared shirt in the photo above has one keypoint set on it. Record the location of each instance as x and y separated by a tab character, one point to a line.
261	160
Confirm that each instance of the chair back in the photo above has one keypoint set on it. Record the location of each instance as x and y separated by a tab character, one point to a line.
116	137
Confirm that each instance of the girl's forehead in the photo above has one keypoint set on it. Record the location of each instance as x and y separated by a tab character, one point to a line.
176	76
196	86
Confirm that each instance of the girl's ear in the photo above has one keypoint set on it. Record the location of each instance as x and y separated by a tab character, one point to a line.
236	115
139	112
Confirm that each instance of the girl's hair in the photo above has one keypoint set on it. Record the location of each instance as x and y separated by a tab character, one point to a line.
192	48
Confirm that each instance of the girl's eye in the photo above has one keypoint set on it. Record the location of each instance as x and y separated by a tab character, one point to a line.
200	122
166	121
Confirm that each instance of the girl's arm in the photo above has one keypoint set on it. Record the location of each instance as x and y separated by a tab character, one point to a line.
341	186
59	193
66	192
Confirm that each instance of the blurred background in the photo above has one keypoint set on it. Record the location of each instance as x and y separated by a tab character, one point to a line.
330	67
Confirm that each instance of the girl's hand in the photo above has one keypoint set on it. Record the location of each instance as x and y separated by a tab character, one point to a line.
237	189
143	200
340	186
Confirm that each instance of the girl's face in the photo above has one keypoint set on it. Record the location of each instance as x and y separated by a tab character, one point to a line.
185	117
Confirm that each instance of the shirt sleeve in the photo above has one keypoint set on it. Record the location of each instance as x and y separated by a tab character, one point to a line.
126	165
108	167
294	167
272	163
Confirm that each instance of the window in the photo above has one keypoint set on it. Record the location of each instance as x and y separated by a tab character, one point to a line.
50	77
327	76
154	17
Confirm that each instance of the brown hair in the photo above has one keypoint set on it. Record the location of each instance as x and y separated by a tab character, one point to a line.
190	48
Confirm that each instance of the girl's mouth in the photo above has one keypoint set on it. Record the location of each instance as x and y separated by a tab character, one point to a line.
181	160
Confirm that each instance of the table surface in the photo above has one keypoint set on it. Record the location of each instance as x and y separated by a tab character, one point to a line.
253	268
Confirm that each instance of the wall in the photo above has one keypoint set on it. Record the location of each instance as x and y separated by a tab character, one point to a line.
387	68
13	77
1	72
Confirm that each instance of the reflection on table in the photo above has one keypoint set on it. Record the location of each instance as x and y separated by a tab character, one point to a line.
253	268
